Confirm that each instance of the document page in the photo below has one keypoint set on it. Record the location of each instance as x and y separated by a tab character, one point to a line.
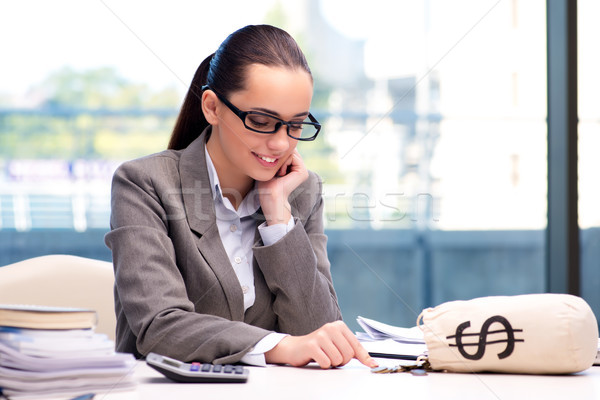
388	341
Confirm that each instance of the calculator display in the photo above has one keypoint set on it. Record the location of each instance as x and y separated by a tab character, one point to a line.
171	363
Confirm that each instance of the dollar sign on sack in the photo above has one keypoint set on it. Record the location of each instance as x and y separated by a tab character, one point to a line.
483	341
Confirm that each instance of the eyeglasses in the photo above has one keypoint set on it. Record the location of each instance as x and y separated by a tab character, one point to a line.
257	121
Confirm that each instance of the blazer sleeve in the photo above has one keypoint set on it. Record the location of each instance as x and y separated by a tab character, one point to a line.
153	309
296	268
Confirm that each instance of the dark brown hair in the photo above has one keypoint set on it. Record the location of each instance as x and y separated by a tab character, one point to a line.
224	71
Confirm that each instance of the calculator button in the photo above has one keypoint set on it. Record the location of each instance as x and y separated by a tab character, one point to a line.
197	372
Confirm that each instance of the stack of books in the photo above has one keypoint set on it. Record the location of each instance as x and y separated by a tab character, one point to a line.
54	352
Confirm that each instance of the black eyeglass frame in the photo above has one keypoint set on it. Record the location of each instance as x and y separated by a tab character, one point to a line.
242	115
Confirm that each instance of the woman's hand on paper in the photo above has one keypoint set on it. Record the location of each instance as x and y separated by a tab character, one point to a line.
332	345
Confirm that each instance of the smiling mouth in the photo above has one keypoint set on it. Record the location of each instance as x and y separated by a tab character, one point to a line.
265	158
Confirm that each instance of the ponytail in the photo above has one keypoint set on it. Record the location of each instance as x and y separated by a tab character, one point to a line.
191	122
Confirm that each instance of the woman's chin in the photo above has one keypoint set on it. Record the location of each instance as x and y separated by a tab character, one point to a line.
263	176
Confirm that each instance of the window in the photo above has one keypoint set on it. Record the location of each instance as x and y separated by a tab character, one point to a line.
433	150
442	148
589	143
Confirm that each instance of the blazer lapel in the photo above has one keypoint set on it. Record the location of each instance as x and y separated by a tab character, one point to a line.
200	211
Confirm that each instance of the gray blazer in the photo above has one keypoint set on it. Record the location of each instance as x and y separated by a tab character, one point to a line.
176	293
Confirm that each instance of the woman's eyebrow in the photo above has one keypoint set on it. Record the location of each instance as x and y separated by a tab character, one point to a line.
275	113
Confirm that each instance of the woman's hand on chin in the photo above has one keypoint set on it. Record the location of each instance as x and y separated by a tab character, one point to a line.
274	194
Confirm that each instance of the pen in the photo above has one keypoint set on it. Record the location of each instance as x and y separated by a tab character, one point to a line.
394	356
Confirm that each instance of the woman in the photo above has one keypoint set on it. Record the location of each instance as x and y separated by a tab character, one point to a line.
218	242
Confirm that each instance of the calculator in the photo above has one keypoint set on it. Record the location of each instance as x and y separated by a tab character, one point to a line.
196	372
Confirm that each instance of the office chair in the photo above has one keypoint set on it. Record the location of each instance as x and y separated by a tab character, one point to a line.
65	281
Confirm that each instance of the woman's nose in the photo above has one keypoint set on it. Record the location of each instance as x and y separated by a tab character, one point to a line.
279	141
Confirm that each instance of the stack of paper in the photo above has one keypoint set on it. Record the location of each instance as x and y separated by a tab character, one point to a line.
58	363
375	330
56	343
388	341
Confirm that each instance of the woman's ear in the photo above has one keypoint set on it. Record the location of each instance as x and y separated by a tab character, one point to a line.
209	106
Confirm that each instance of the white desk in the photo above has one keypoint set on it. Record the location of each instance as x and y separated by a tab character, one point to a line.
355	381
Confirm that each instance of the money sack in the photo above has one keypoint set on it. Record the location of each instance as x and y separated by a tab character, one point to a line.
531	334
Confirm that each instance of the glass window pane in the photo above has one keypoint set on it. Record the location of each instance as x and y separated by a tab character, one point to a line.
589	143
441	146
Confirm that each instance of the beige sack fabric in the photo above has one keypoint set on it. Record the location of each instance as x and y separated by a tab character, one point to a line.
533	334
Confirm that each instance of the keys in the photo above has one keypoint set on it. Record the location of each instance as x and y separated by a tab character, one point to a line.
419	368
